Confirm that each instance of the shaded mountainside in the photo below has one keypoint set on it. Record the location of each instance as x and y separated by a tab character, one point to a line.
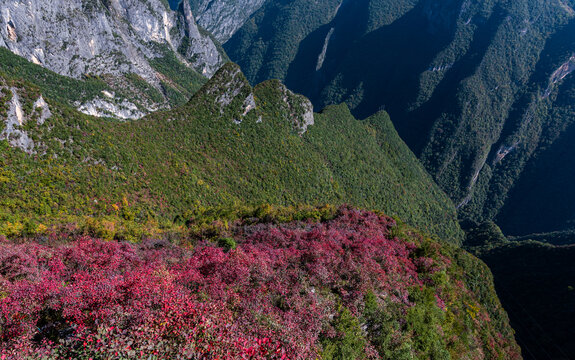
230	144
129	44
353	286
268	42
535	281
481	91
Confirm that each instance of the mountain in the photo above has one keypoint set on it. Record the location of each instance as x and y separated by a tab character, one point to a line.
134	46
482	92
223	221
230	144
269	41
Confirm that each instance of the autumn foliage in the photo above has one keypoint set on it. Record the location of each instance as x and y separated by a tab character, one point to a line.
300	290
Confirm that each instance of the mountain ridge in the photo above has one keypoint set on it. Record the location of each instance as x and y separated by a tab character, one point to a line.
210	202
242	144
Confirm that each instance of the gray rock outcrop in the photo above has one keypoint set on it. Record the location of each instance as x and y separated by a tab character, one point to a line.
231	92
112	37
101	36
300	109
14	119
224	17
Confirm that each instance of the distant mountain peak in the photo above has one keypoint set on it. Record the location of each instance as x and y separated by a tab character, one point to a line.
230	94
224	17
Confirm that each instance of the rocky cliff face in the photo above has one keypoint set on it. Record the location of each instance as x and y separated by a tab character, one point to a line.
231	94
112	37
224	17
19	115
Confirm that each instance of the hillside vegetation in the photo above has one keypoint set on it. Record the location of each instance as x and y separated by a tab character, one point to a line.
481	91
357	286
238	224
229	145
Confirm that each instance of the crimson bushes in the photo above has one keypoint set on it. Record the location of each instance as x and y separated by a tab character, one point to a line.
344	288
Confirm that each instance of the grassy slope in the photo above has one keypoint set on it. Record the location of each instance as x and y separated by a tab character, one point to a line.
171	162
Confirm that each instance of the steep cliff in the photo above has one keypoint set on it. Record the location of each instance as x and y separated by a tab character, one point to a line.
223	18
111	39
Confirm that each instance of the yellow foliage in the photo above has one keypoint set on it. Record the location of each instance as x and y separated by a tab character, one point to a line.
6	176
108	230
42	228
472	310
12	229
103	229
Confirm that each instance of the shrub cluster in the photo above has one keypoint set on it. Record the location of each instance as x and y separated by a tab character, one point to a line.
343	288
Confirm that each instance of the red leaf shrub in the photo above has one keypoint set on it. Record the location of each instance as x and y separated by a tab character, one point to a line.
273	297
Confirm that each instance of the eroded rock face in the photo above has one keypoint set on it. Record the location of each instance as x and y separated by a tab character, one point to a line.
300	109
114	37
106	37
561	73
13	123
224	17
201	49
14	119
44	110
102	107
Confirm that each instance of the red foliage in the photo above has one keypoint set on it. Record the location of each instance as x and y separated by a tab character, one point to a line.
270	298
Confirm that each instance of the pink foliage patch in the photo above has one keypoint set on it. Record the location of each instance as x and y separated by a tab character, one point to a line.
270	298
